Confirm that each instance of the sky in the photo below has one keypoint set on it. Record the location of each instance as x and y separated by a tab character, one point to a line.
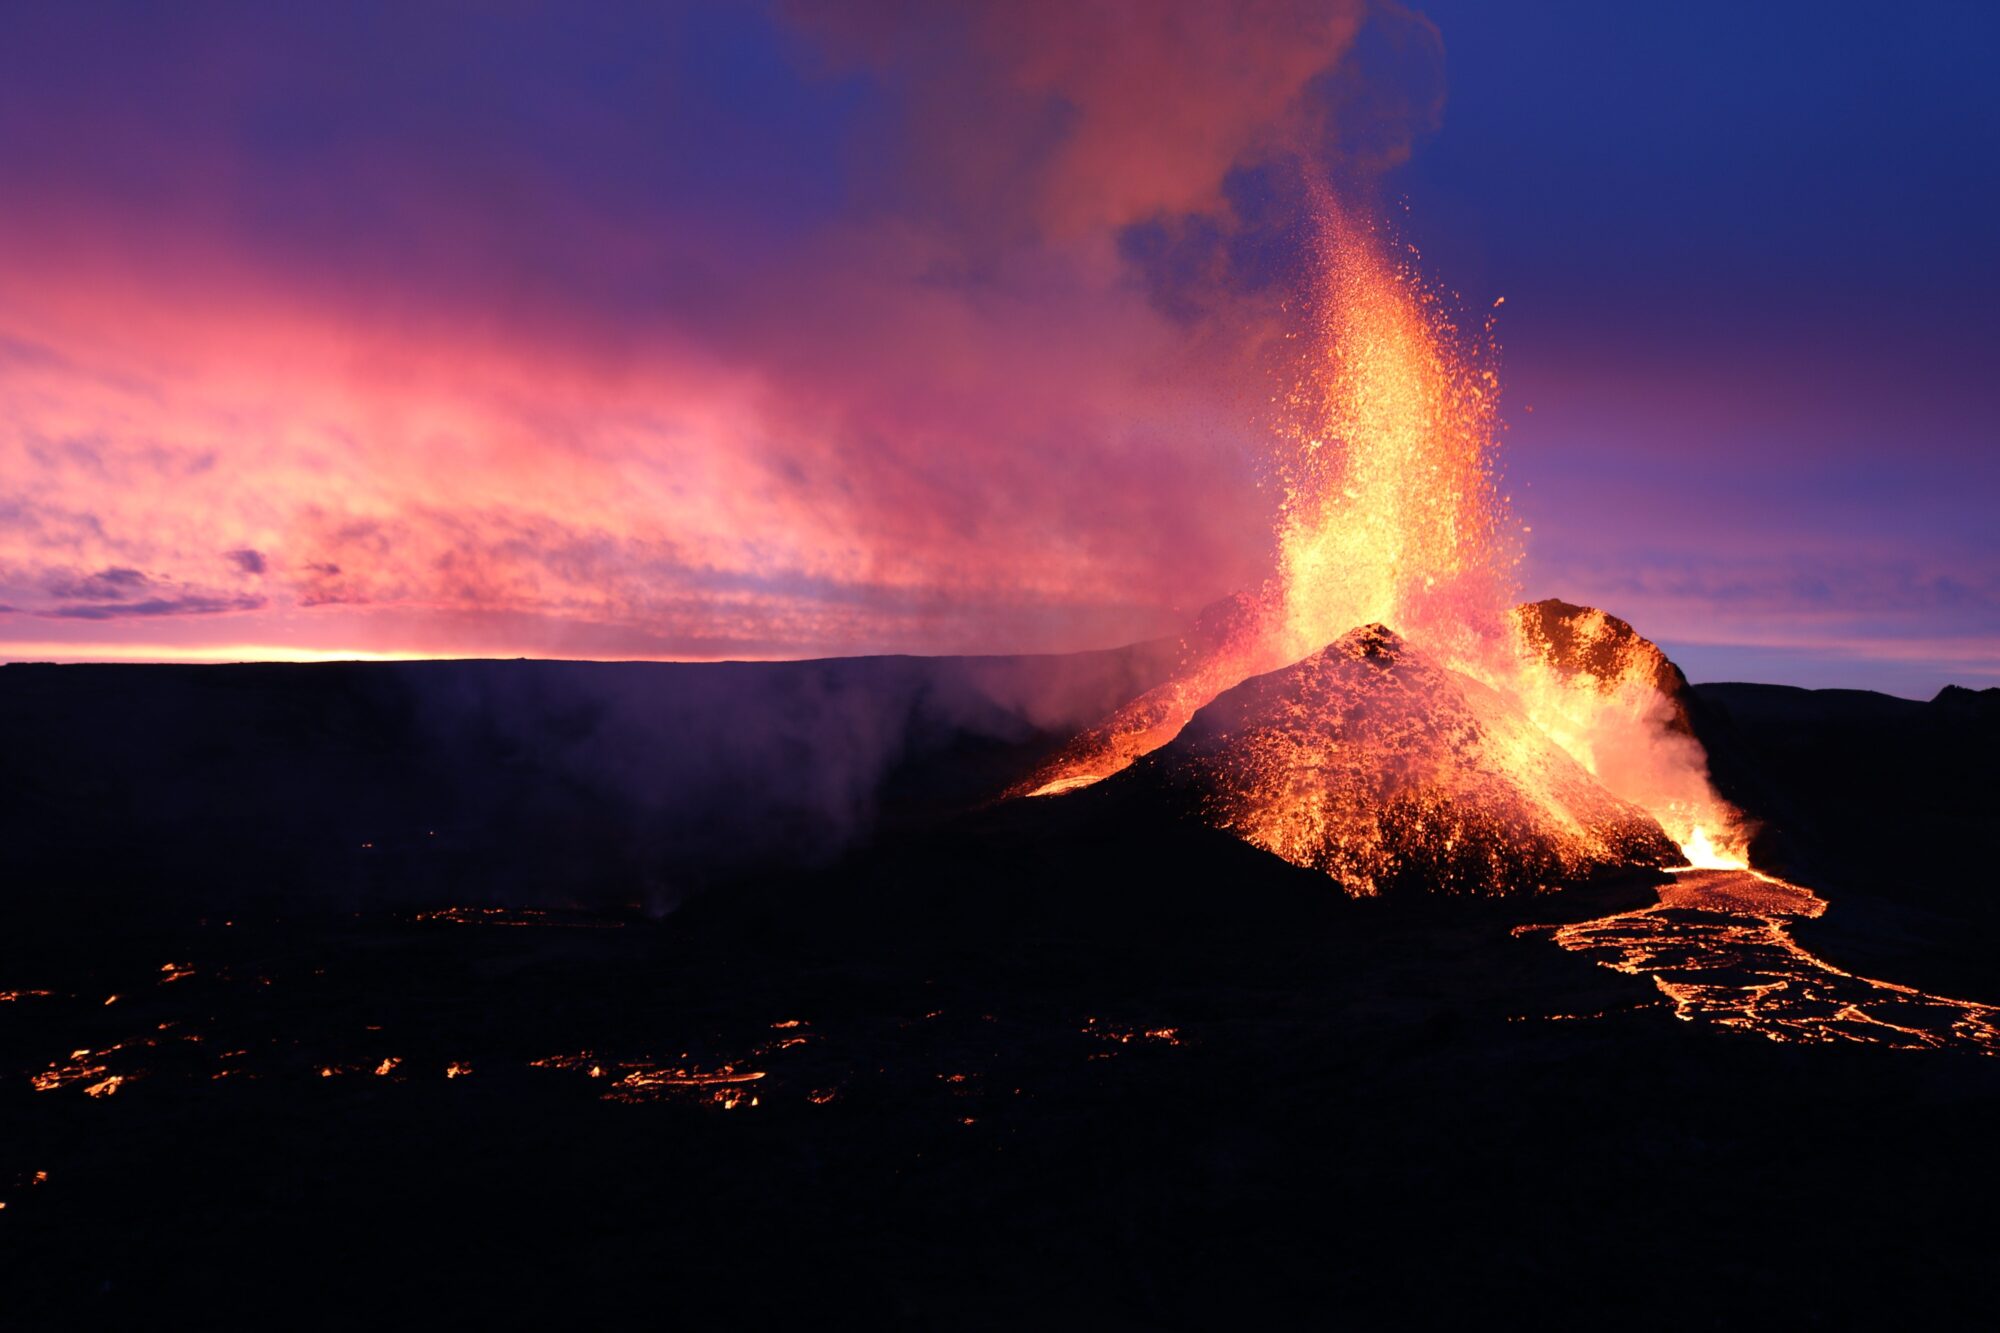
774	330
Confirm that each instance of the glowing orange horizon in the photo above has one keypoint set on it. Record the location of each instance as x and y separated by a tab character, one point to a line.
248	654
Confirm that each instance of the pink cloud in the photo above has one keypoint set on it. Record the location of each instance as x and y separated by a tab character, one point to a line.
893	468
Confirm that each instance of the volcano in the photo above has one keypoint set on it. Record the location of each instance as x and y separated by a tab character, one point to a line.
1391	773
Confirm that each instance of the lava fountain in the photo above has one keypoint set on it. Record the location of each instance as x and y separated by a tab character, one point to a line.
1392	518
1386	450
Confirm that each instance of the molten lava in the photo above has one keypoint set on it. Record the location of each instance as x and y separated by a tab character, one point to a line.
1718	948
1392	516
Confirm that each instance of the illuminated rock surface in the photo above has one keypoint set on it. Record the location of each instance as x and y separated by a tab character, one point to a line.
1583	640
1392	774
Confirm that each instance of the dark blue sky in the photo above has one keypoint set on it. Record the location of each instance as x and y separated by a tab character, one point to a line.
1752	287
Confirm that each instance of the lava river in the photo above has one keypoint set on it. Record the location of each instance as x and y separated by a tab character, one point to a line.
1719	948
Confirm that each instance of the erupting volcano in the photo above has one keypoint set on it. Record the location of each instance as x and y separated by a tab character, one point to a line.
1485	746
877	665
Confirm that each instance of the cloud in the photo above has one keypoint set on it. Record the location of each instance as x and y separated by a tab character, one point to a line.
154	606
105	585
246	560
115	593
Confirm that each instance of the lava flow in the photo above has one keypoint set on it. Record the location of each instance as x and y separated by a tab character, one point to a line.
1514	745
1718	947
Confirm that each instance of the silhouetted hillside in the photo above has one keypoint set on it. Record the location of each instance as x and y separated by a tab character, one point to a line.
504	782
1894	796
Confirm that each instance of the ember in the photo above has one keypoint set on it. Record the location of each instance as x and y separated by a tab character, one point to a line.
1125	1036
524	916
83	1066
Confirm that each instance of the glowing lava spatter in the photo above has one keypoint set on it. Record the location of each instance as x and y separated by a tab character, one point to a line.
1392	515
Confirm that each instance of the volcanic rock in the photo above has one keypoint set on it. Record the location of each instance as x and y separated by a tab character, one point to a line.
1582	640
1392	774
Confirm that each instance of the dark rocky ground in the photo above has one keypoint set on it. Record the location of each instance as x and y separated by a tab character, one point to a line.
1062	1062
